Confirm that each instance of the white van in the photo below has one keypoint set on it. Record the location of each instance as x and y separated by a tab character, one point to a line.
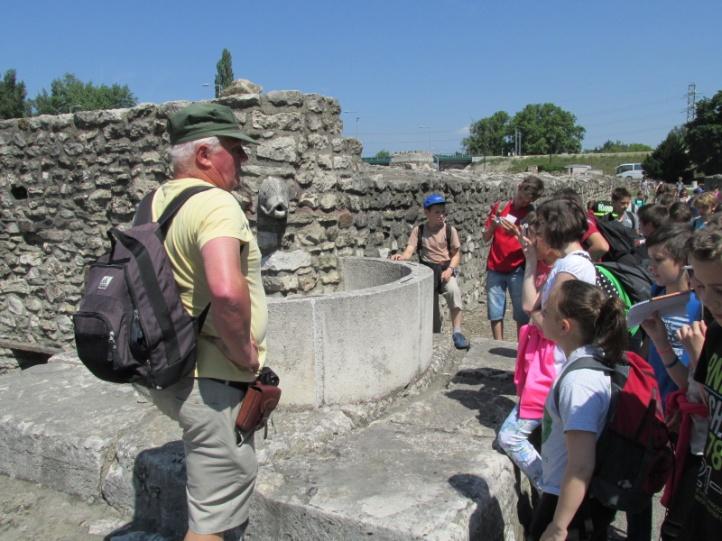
630	171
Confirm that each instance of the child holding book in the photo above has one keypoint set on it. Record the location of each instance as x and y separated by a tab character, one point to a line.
671	364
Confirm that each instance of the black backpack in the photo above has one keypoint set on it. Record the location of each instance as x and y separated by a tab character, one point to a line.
621	239
634	455
636	279
131	326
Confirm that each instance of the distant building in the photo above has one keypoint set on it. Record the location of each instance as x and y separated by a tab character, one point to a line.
578	168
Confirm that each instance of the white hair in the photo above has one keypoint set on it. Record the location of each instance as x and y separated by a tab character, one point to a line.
183	154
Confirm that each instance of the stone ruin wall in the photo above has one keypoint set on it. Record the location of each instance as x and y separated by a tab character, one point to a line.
64	180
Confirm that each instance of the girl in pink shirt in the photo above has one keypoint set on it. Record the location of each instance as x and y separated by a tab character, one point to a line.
533	376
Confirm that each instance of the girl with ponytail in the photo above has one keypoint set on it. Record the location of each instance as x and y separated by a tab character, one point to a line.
584	323
553	238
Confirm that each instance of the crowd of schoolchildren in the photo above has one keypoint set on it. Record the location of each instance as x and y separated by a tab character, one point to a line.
583	377
572	273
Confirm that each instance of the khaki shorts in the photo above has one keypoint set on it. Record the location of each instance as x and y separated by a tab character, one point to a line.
452	294
221	472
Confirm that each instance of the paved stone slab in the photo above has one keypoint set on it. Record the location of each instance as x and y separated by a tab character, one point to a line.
393	482
59	425
425	469
30	512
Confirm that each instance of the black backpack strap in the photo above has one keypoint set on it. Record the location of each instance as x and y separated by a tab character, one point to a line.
144	212
448	238
419	245
174	206
165	220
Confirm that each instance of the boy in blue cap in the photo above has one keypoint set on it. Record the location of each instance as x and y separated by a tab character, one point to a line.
439	248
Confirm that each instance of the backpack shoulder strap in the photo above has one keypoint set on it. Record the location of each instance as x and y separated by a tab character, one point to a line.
635	220
448	238
585	362
174	206
144	212
419	245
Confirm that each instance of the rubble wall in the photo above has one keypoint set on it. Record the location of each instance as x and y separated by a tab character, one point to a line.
64	180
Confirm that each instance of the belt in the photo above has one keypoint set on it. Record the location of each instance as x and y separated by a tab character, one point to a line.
242	385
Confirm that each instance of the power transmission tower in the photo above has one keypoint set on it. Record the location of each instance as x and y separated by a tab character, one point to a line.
517	142
691	97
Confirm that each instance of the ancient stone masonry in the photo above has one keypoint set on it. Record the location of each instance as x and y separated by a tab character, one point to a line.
64	180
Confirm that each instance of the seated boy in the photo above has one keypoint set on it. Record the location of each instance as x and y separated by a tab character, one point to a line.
440	249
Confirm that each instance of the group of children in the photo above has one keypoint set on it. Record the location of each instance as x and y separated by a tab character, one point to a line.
571	318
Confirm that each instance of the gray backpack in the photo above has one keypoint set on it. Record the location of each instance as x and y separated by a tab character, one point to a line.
131	326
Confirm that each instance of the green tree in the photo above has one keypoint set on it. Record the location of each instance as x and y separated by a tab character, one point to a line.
548	129
669	160
704	135
488	136
618	146
382	155
12	96
224	72
70	94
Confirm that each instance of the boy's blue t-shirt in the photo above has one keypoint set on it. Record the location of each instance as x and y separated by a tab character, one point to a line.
694	313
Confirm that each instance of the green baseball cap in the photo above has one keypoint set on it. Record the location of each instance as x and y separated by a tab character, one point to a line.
200	120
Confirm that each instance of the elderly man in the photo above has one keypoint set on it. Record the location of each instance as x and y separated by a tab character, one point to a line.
215	261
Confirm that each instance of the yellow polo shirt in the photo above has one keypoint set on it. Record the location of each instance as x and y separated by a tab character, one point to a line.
209	215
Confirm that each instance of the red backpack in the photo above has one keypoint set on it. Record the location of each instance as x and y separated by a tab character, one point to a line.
634	456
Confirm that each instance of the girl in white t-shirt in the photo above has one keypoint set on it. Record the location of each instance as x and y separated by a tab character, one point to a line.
584	323
559	226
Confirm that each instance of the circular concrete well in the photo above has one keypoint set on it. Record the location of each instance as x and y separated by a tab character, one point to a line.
358	344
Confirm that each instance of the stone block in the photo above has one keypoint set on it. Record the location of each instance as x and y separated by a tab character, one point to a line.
280	149
314	103
345	220
287	261
280	121
254	170
280	98
332	277
292	350
240	101
341	162
328	201
306	282
62	438
94	119
391	483
314	122
312	234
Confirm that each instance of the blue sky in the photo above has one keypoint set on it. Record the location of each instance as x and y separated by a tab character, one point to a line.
408	74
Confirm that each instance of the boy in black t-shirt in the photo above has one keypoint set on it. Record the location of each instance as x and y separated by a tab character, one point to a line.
705	521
